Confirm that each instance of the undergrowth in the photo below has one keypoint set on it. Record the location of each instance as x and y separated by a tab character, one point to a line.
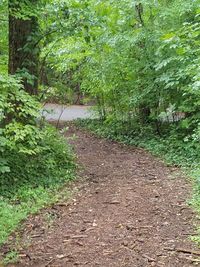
33	181
172	146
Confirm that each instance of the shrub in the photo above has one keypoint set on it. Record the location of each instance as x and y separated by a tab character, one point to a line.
35	160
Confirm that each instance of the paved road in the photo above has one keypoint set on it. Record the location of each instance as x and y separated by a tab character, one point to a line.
53	112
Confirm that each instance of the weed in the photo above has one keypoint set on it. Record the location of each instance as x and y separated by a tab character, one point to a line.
11	257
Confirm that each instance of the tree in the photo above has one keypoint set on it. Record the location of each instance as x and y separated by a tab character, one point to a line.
23	48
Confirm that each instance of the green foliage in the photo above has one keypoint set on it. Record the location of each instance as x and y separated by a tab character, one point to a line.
135	63
139	61
33	180
18	121
35	161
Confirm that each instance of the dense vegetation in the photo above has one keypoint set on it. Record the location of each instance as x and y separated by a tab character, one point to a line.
138	60
35	161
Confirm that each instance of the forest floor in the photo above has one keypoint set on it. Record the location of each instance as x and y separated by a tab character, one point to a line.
128	210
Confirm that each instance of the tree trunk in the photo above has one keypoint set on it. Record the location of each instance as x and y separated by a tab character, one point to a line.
144	110
23	50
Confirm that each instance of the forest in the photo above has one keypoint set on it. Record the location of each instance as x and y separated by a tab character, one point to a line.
136	61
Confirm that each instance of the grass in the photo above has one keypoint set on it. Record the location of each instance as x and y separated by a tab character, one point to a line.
11	257
31	201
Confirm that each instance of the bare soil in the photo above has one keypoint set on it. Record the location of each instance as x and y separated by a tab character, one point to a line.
129	210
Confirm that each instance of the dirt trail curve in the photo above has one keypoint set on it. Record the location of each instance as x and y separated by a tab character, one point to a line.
129	211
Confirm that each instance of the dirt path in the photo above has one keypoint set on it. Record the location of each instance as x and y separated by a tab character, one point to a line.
129	211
